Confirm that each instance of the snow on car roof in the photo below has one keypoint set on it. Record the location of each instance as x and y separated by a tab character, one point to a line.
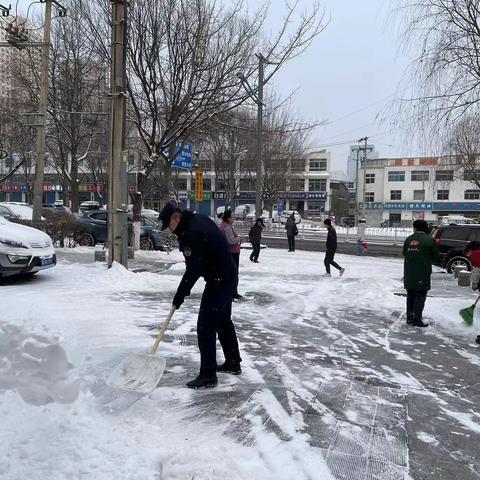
24	212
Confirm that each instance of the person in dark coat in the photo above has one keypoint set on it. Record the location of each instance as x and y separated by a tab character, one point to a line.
206	255
255	237
331	248
419	252
292	232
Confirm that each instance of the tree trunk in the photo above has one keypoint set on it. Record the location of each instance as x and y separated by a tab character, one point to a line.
74	183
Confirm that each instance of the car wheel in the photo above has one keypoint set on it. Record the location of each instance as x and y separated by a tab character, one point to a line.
146	244
458	261
86	240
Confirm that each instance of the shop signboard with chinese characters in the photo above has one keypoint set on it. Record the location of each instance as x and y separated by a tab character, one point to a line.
456	206
371	206
206	196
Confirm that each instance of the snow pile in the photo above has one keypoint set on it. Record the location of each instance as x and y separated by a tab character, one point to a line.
36	367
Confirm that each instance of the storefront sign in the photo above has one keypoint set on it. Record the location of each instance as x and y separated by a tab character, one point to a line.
206	196
219	195
198	186
456	206
371	206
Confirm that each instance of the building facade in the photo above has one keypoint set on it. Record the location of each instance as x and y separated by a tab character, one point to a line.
399	190
307	188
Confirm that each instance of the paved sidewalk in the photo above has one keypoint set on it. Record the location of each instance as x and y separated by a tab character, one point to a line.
380	399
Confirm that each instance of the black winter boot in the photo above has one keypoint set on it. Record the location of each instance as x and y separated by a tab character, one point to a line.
233	368
202	382
419	324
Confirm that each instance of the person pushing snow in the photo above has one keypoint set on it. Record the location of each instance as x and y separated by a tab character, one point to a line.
206	255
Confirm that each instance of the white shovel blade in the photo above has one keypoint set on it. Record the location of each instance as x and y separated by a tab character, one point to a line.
137	372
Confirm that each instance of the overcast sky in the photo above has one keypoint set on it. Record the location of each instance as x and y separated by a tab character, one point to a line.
348	77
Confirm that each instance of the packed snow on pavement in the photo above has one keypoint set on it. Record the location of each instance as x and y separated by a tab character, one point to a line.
334	385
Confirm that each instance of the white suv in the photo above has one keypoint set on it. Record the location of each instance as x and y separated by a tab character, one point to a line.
24	250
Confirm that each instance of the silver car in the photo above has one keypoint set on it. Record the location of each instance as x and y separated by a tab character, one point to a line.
24	250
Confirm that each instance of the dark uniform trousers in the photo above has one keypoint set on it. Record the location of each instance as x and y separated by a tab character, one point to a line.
291	243
329	255
215	316
415	304
256	251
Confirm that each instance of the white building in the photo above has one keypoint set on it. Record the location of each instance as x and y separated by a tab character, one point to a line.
399	190
357	153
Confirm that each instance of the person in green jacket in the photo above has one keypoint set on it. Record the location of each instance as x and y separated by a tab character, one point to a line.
419	251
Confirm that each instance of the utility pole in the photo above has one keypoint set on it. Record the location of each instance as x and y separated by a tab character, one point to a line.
42	118
117	191
357	190
259	174
365	139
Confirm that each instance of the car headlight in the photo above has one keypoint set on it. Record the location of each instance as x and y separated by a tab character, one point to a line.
12	243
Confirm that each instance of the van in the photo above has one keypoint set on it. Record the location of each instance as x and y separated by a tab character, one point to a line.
242	211
457	220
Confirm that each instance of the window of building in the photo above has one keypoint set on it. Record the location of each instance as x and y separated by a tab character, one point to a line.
9	162
220	185
318	165
370	178
297	185
443	194
316	206
420	175
317	185
205	163
369	197
472	194
395	194
444	175
471	176
298	165
247	185
396	176
419	195
181	183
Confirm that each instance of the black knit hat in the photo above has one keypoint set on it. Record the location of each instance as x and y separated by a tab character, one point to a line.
167	211
327	222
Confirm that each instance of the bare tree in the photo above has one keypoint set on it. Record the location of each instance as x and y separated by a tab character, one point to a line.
444	36
463	150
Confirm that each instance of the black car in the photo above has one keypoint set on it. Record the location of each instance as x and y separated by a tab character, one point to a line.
451	241
93	229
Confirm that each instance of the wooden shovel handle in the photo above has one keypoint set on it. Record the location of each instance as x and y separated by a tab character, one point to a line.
162	331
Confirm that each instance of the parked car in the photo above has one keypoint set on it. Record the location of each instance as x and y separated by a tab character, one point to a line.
16	211
93	229
24	250
287	213
451	241
89	205
457	220
242	211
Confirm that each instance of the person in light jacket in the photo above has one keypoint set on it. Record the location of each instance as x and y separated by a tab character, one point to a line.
234	241
255	237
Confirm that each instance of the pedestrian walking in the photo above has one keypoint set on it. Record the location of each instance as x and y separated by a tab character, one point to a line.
331	248
255	237
419	251
361	249
292	231
234	241
207	255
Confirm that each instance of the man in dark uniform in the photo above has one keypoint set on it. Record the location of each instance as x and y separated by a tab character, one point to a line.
331	248
206	255
419	251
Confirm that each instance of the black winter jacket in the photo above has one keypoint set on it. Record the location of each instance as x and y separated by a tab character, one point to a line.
206	253
255	234
331	239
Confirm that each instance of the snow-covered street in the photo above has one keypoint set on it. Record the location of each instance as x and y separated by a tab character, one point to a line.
335	385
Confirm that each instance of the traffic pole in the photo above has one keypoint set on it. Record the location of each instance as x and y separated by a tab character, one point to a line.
42	118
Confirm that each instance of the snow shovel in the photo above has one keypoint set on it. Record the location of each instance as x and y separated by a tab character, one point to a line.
467	313
141	372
